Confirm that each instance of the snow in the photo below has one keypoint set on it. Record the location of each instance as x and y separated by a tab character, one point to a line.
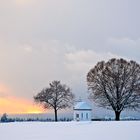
82	105
124	130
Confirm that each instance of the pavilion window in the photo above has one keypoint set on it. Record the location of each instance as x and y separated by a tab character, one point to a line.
87	115
77	115
82	115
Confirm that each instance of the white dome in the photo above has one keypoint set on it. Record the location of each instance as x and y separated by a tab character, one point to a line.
82	106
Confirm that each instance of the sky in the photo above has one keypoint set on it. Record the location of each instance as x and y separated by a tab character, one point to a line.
46	40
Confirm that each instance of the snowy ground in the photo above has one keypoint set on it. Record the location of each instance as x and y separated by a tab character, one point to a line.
70	131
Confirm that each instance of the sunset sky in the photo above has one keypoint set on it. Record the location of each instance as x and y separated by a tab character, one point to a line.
45	40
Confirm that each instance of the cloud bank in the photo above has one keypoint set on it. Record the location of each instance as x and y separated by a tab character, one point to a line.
47	40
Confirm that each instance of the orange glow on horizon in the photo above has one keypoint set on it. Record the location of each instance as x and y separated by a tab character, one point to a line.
13	105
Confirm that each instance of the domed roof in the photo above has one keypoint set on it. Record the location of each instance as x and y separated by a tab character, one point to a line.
82	106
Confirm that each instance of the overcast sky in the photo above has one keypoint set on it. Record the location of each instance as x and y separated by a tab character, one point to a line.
45	40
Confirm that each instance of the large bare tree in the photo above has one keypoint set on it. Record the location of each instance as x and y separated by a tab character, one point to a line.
115	85
57	96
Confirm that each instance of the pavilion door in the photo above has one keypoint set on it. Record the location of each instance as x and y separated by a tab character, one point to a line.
77	117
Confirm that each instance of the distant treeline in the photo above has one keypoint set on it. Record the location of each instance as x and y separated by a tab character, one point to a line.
110	119
5	119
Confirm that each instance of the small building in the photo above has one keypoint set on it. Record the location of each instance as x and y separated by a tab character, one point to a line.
82	111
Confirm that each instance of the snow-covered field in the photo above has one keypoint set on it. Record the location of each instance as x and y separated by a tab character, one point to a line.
70	131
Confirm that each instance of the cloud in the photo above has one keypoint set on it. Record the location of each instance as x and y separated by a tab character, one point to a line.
29	66
83	60
27	48
33	65
126	47
126	43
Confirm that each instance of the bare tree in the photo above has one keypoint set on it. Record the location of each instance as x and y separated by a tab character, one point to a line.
57	96
115	85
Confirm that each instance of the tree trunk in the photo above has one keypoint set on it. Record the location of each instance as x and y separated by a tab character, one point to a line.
117	115
55	111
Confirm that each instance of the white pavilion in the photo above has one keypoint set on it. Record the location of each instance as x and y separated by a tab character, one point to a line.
82	111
